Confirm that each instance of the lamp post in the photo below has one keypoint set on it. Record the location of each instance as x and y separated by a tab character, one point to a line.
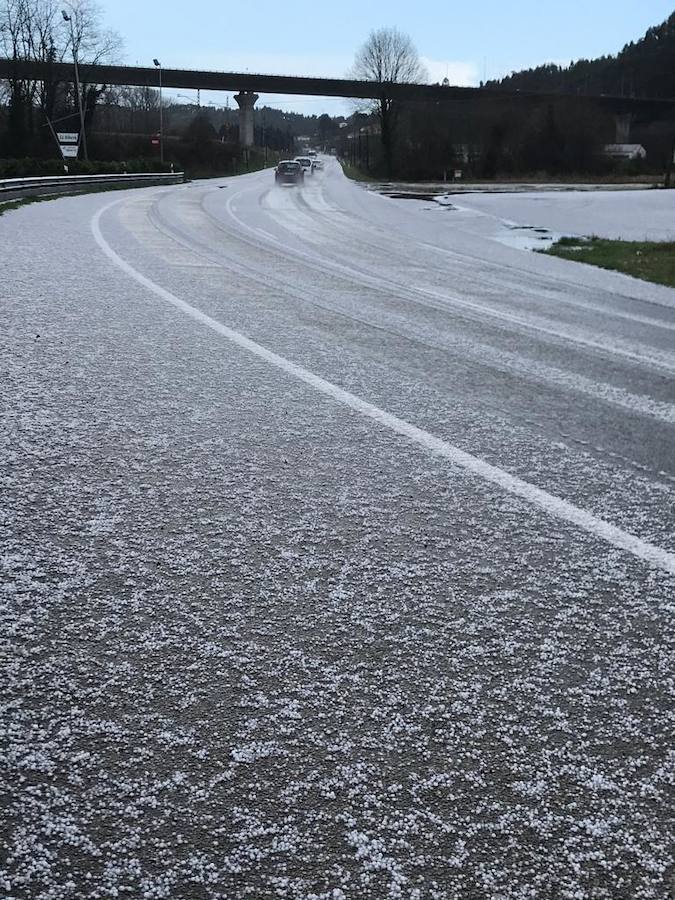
69	20
161	135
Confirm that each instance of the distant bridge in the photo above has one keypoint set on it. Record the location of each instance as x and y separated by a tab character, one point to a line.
248	85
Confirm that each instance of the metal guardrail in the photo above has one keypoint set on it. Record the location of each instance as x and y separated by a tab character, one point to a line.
16	188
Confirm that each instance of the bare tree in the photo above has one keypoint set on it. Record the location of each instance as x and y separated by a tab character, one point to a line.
36	30
140	104
93	44
23	34
388	57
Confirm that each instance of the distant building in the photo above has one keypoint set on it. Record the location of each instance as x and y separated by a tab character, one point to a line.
625	151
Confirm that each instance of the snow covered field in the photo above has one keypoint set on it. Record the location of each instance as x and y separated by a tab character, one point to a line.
631	215
337	551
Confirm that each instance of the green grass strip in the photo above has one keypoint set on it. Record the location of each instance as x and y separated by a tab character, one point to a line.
8	205
356	174
649	260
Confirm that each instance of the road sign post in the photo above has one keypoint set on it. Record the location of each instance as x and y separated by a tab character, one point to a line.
69	143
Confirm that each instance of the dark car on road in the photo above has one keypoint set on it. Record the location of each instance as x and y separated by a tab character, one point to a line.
289	171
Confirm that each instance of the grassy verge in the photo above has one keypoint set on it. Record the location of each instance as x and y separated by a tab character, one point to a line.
355	173
28	167
22	201
651	261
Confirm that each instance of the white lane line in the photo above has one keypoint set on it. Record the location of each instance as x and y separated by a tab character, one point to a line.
554	506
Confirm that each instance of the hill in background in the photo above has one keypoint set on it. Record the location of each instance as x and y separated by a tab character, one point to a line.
644	68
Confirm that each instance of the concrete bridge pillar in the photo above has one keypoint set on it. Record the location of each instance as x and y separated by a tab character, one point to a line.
246	102
623	122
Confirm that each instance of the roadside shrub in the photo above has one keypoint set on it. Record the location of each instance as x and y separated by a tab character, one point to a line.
29	167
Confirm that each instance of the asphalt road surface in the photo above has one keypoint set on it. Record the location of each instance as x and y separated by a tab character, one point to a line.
337	554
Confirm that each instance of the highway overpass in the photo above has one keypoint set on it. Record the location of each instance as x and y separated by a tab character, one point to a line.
250	84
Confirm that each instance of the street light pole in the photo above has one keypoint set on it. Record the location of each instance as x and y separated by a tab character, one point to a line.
161	134
78	89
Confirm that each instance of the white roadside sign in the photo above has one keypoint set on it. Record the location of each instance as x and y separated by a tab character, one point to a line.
68	137
69	151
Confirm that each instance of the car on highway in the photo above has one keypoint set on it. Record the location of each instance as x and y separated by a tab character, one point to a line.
289	171
306	163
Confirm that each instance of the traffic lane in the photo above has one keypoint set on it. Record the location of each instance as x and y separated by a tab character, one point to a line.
540	350
327	205
315	223
468	234
527	429
300	619
633	503
566	315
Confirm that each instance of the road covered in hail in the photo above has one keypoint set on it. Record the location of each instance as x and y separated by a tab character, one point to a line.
337	554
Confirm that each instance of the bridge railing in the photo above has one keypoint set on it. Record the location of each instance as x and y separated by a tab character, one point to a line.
17	188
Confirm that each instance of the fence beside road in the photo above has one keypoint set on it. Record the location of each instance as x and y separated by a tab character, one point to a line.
16	188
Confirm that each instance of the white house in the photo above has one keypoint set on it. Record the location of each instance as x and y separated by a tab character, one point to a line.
625	151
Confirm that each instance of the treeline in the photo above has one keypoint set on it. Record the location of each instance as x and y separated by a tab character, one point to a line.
121	123
491	139
491	136
644	68
201	140
484	138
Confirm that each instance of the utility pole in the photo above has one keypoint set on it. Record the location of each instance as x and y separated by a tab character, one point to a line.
161	129
69	20
669	166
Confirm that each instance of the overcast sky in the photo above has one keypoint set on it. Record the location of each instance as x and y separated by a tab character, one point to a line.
466	41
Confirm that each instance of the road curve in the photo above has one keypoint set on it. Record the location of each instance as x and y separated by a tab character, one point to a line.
338	554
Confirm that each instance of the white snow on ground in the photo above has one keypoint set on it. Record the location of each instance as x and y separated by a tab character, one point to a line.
647	215
259	646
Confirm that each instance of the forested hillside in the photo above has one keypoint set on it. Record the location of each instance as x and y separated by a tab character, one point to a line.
644	68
